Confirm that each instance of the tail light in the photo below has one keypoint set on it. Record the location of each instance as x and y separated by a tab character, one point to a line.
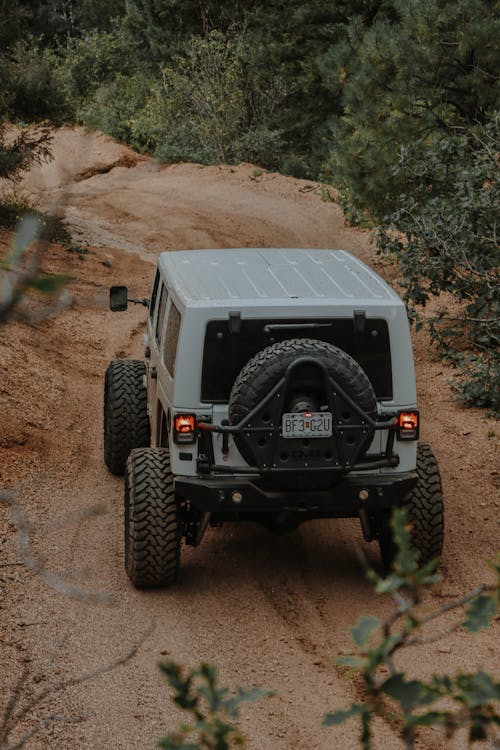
408	425
184	428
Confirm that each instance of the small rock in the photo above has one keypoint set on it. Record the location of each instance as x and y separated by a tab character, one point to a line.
444	649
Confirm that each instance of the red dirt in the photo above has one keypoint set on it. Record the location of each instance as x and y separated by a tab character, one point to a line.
272	611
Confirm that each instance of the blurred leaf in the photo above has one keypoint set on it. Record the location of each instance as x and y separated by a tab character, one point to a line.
480	613
334	718
429	719
47	283
364	629
356	662
477	689
408	693
392	582
245	696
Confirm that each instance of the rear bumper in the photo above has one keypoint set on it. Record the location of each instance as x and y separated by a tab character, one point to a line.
215	495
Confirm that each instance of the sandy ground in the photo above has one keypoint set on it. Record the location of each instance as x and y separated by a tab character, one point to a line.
272	611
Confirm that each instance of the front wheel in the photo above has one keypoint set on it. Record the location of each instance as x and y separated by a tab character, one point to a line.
152	526
425	513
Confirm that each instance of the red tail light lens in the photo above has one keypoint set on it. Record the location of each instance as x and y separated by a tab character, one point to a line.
408	423
184	428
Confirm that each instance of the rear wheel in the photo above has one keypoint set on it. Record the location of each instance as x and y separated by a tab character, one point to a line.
425	513
126	421
152	526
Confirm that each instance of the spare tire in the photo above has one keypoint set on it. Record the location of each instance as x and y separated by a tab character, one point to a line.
264	370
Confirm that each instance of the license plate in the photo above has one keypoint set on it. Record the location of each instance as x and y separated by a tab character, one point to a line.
310	425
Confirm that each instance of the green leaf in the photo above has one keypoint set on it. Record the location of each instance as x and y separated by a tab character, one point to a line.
477	689
378	655
429	719
232	705
338	717
392	582
356	662
408	693
479	613
364	629
48	283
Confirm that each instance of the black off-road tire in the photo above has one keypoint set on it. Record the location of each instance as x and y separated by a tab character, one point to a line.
126	421
425	513
264	370
152	527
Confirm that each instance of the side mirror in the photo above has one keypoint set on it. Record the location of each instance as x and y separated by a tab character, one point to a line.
118	298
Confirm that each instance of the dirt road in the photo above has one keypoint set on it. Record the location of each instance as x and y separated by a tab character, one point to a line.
272	611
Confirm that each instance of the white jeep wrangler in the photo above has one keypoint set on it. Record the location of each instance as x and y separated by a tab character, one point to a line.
278	386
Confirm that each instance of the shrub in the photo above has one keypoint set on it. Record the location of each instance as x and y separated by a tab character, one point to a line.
95	59
443	231
216	110
116	106
36	83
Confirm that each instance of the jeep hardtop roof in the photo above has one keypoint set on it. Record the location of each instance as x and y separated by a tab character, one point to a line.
273	276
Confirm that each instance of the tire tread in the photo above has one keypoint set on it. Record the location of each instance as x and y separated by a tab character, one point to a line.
126	421
152	529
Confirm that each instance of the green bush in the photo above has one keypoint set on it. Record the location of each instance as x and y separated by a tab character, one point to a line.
444	233
96	59
416	152
216	110
36	84
115	107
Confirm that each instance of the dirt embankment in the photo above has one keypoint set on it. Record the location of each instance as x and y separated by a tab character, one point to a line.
272	611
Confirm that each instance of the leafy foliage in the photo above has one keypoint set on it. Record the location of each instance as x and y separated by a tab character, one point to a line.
444	232
216	109
407	73
20	150
471	699
37	91
211	708
416	148
95	59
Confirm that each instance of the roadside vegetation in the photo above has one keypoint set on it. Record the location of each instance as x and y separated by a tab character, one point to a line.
463	702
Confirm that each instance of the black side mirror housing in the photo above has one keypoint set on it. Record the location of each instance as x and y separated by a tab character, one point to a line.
118	298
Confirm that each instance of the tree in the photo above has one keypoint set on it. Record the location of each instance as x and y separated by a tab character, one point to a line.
411	73
416	149
275	44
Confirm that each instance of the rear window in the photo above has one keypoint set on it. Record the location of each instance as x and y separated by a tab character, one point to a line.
225	353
